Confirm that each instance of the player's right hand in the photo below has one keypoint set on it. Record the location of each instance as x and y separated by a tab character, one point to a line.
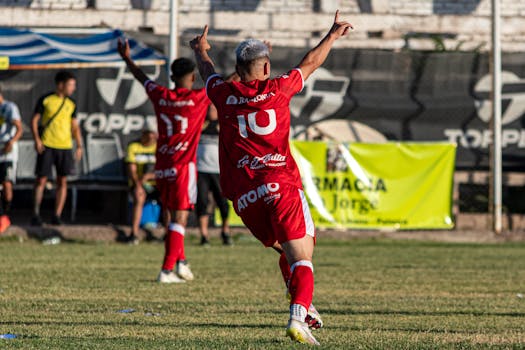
78	154
200	42
339	28
8	147
39	147
123	48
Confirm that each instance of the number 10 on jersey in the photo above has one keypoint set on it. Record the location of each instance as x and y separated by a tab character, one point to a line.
254	126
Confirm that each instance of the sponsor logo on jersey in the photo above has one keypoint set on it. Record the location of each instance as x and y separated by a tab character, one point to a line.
268	192
165	173
272	160
165	103
170	150
232	100
241	100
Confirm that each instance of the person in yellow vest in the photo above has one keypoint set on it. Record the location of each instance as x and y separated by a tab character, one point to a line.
54	125
140	160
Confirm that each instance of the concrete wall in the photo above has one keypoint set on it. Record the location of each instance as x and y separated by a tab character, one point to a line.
379	23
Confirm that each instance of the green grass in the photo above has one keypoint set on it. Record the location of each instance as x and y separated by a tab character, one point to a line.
373	294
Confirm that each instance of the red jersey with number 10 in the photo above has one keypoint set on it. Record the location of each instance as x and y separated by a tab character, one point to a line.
180	116
254	119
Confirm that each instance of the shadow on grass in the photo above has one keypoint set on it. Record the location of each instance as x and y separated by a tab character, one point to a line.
423	313
123	237
137	322
45	233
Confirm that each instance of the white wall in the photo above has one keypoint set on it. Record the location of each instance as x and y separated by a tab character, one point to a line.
286	22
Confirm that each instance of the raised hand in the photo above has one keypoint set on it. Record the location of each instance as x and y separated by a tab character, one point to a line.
339	28
200	47
125	52
123	48
200	42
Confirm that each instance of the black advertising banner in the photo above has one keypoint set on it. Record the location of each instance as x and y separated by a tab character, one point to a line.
109	100
403	96
411	96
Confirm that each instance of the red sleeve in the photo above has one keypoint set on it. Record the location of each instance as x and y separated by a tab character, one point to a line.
214	87
154	90
291	83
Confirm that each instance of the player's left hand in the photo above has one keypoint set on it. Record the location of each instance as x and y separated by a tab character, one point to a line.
8	147
123	48
78	154
200	42
339	28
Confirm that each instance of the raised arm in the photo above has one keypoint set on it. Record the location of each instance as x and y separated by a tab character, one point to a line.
124	51
316	56
200	47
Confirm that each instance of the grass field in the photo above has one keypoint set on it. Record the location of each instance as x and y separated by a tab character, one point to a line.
373	294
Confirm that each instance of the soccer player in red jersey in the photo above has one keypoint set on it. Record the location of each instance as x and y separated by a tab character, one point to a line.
180	115
257	171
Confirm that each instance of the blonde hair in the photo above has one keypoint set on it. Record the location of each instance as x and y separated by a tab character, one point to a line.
251	50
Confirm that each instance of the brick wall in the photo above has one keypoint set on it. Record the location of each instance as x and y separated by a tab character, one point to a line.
402	7
379	23
46	4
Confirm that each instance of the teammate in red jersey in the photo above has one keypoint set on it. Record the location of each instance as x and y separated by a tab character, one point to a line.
180	115
258	172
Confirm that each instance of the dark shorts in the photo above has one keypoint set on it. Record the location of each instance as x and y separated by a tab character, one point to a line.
61	159
206	183
7	172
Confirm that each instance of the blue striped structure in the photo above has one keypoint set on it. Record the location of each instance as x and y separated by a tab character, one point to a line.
29	49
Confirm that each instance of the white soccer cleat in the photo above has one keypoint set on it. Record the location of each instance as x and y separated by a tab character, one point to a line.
184	271
313	319
298	331
169	277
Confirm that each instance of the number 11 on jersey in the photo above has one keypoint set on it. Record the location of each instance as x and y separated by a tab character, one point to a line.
169	123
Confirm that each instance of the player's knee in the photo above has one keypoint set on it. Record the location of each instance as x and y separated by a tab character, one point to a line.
41	181
181	221
180	218
61	181
139	199
139	196
177	219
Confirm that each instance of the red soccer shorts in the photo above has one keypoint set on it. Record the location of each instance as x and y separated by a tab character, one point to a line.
275	213
177	186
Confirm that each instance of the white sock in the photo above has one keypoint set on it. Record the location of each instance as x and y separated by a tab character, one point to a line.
298	312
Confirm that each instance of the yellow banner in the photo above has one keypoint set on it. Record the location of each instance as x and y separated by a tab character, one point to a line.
4	62
377	186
